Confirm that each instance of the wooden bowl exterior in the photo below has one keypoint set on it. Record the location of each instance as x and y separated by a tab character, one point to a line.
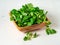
30	28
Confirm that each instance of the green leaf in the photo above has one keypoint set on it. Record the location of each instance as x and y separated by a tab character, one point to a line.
11	18
39	21
29	5
25	38
36	8
47	31
14	11
31	14
48	23
46	12
29	24
29	34
25	18
35	35
53	31
50	31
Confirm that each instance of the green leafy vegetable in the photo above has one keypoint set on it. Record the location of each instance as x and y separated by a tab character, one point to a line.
28	15
25	38
29	36
50	31
35	35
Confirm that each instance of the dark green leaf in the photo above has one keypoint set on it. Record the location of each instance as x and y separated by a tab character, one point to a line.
47	31
35	35
25	38
53	31
50	31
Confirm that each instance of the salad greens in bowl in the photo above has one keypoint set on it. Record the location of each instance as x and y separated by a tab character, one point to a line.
28	15
29	18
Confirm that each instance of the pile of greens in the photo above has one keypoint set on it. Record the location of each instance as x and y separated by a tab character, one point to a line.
28	15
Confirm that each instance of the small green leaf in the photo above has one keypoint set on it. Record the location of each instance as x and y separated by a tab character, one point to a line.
48	23
50	31
11	18
39	21
29	34
47	31
35	35
46	12
25	38
14	11
53	31
29	24
29	5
